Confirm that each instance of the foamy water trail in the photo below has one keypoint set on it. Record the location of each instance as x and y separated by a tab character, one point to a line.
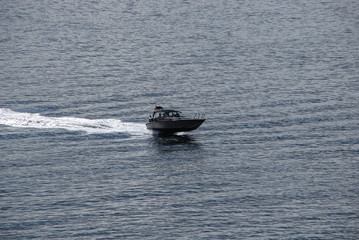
90	126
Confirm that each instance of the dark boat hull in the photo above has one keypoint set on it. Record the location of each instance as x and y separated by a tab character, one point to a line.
173	126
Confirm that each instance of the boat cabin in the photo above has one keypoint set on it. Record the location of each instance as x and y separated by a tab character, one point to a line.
164	114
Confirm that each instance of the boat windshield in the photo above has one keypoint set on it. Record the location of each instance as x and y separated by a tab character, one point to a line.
166	114
174	114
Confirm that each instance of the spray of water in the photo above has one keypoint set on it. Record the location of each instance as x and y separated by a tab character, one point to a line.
90	126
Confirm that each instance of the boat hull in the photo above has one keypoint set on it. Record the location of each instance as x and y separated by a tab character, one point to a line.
173	126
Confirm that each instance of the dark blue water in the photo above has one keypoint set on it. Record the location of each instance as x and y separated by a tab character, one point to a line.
277	158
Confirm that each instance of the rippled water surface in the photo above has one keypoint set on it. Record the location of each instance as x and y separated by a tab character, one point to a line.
277	157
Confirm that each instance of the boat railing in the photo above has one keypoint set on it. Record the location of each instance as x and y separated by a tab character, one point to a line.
199	115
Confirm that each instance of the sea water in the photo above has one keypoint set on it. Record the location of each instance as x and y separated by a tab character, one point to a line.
277	157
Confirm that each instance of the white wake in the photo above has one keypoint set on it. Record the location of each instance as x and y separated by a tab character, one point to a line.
90	126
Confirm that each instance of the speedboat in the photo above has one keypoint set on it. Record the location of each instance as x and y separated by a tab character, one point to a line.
172	121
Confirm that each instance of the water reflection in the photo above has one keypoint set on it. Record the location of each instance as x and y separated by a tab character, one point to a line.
173	139
174	143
